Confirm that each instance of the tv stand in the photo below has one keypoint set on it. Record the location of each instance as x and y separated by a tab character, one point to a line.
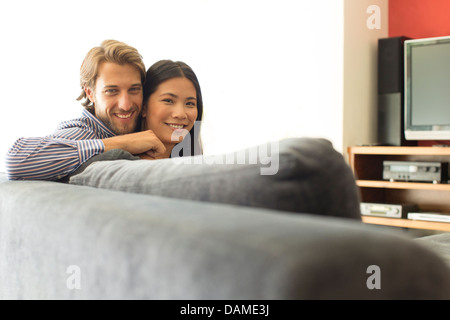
367	165
441	146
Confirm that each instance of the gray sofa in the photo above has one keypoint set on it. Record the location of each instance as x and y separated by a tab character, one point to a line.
122	228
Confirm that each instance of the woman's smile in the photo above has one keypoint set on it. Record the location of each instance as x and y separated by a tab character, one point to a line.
175	126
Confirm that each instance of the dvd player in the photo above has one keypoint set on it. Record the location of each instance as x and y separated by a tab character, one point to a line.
387	210
429	216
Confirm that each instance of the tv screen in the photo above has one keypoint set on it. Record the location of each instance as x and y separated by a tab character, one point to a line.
427	89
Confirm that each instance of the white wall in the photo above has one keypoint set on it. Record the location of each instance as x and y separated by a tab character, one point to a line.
268	69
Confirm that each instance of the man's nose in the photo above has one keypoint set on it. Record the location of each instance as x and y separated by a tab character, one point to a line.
125	102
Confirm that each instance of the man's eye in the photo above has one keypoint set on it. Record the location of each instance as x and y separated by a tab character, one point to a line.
110	91
135	90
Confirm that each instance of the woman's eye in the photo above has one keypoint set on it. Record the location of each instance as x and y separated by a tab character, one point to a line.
191	104
168	101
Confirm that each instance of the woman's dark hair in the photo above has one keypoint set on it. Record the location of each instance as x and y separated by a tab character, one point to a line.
167	69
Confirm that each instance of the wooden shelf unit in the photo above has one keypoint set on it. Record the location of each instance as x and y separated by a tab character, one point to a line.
367	165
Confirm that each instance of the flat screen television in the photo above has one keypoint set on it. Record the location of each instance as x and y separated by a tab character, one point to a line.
427	89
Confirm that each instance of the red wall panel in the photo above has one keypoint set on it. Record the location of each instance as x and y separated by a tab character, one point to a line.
419	18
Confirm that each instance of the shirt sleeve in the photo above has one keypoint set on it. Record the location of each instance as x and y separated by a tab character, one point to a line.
49	158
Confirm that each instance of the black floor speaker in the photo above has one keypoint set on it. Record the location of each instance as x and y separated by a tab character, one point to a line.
390	119
391	93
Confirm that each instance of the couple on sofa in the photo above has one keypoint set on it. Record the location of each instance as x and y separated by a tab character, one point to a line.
117	95
130	114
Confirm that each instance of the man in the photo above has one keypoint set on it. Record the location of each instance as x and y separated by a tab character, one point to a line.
111	78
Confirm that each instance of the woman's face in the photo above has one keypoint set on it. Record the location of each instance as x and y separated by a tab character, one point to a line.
170	112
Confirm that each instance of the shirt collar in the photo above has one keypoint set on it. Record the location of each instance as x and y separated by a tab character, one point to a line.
101	126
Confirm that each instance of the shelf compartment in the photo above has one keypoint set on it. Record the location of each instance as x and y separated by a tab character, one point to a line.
426	200
402	185
406	223
407	151
367	166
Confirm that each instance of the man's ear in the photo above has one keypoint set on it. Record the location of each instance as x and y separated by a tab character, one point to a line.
89	93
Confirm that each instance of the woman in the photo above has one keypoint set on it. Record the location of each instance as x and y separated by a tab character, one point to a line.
173	108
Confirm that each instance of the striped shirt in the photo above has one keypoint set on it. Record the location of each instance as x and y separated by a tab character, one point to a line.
59	154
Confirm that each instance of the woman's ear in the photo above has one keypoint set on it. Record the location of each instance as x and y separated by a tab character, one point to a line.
144	110
143	117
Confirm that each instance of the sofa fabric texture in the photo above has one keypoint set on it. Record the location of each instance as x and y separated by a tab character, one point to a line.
440	243
135	246
124	228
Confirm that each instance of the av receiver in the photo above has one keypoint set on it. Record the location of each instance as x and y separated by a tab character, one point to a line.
415	171
387	210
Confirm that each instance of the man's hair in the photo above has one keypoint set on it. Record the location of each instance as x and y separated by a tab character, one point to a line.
109	51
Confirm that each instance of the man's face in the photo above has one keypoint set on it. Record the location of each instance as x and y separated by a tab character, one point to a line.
117	96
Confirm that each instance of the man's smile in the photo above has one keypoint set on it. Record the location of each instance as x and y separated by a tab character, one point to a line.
124	115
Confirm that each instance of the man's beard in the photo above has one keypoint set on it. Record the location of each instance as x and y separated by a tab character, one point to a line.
116	129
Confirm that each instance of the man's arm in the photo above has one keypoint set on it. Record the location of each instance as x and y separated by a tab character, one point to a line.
48	158
53	157
144	142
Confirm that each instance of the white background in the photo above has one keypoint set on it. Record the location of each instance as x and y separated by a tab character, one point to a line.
268	69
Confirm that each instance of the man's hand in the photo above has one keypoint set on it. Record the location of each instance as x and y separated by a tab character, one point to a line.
138	143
